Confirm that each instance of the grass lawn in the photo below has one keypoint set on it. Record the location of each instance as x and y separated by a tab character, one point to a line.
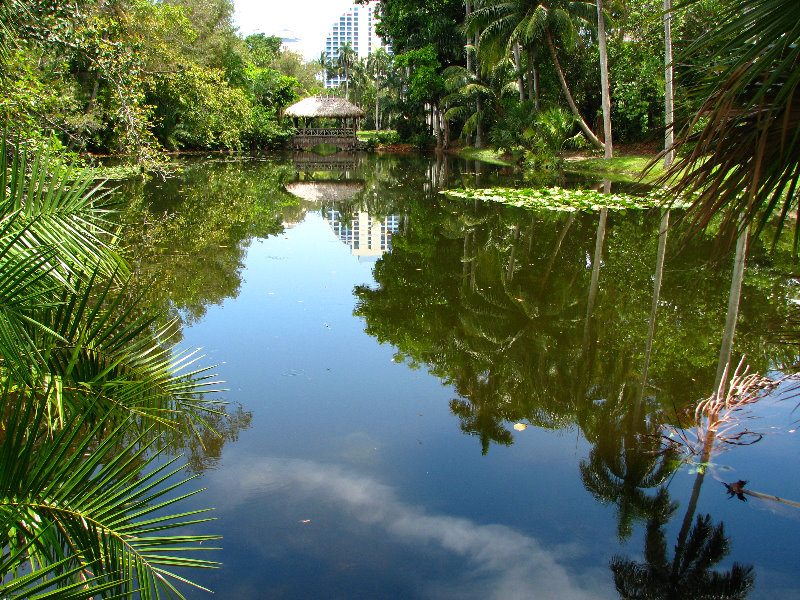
485	155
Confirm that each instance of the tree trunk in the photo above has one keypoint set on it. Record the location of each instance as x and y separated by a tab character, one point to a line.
570	101
437	126
604	88
469	54
733	308
518	67
669	92
479	125
377	119
446	127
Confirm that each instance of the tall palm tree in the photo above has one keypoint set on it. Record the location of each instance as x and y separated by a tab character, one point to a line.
378	63
742	143
687	576
548	23
345	60
324	65
604	86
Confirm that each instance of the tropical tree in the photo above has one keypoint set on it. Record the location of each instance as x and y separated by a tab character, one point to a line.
741	146
378	64
688	575
87	376
345	60
605	94
549	23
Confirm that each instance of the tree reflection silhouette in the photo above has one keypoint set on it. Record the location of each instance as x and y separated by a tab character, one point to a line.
688	576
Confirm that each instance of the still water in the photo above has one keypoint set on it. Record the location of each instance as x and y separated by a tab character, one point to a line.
432	398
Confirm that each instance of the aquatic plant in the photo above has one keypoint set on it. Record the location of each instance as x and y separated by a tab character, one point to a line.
560	199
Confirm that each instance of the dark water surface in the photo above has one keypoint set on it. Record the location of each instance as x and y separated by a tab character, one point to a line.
381	342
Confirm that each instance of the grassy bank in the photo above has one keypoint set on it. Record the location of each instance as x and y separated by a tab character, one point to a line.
485	155
620	168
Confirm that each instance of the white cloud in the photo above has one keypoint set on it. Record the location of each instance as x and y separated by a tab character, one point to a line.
498	562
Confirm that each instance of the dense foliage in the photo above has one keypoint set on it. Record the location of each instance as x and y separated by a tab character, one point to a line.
491	60
131	77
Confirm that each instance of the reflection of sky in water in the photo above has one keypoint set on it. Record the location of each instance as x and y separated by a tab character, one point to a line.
400	503
362	526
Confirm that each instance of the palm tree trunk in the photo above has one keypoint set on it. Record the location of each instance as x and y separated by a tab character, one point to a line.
593	286
605	94
719	386
733	308
377	119
446	128
518	67
669	92
533	77
468	10
512	259
570	101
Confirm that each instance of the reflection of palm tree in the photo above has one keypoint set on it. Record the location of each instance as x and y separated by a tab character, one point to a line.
624	461
688	575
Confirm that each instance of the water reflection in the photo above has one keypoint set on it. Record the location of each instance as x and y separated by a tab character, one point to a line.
493	561
689	574
542	319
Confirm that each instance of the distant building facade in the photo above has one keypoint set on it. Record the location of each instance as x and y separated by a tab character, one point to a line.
366	237
357	28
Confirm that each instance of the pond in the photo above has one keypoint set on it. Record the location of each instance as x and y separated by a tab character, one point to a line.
444	398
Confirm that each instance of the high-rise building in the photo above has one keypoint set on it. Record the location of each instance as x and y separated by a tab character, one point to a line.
367	237
357	28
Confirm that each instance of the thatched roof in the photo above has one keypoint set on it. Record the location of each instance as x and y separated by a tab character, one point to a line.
324	106
324	191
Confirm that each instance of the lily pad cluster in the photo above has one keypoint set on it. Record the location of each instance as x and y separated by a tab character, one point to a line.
560	199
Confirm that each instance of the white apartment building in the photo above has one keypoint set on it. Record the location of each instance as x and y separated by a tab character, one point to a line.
355	27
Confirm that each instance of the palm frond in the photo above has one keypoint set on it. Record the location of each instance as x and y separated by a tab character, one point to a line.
75	511
59	205
743	142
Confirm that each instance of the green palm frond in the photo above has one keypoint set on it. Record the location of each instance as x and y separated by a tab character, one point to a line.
58	204
81	506
101	342
743	142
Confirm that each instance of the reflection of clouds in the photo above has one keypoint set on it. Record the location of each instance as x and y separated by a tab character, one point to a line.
502	563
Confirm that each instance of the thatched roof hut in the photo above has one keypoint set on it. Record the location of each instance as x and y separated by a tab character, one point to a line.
323	107
310	116
324	191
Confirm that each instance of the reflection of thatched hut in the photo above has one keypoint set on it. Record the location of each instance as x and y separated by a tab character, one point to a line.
308	113
328	191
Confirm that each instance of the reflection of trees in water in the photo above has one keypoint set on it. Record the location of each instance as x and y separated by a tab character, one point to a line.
189	235
487	296
689	575
546	319
626	459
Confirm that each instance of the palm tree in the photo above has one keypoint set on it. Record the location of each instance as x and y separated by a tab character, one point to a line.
551	23
82	367
742	145
324	65
378	63
605	93
345	60
623	463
